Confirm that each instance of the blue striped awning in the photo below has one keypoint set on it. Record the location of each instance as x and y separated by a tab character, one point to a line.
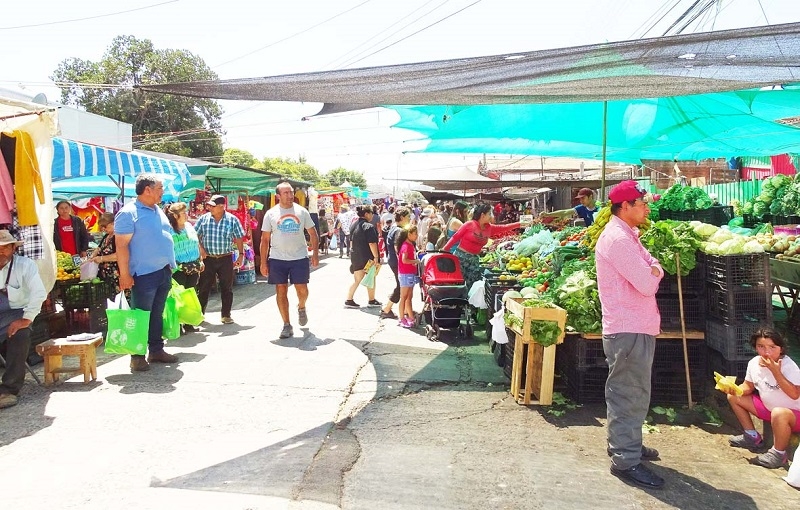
75	159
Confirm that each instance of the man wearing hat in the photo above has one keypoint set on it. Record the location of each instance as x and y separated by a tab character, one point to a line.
146	259
627	279
585	209
21	296
218	231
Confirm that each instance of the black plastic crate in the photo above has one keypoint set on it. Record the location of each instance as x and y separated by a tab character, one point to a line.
669	355
751	304
723	214
580	353
704	215
85	295
692	283
732	340
718	363
585	385
738	271
693	311
493	289
87	320
669	386
508	354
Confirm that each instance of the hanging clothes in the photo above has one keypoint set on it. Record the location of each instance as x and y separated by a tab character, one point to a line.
6	193
26	179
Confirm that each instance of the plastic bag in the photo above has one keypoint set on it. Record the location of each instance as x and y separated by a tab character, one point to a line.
127	329
189	309
793	478
369	279
334	243
477	294
499	327
169	319
89	270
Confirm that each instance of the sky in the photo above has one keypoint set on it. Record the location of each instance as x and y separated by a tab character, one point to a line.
240	39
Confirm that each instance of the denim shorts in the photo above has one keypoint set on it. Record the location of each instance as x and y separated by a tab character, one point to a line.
282	272
407	280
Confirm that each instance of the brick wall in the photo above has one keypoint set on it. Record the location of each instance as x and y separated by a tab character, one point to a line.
707	171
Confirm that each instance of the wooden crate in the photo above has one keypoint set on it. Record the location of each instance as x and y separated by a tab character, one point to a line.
540	363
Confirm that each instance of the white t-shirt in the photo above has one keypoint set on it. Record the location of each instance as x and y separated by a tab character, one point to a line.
287	232
768	389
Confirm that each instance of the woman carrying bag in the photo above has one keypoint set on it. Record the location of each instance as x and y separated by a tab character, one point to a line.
187	250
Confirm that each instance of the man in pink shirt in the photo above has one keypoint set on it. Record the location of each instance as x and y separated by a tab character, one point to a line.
627	279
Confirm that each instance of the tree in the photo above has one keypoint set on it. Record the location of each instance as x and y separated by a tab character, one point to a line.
180	125
240	157
338	175
299	170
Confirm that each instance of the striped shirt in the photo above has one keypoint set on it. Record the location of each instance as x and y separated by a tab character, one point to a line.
626	284
187	246
217	237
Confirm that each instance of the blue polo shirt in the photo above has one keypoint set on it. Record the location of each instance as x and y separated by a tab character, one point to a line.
583	212
151	246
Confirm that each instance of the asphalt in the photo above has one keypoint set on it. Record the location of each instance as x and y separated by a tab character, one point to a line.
353	413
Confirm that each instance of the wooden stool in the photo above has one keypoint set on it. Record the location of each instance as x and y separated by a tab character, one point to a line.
53	350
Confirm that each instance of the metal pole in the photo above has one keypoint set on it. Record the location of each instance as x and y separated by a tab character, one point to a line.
605	136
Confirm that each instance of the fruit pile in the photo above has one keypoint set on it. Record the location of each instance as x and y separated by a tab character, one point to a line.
65	266
517	264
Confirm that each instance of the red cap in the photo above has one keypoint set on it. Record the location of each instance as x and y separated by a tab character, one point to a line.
584	192
625	192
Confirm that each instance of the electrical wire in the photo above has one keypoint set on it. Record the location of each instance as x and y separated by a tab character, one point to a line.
417	32
89	17
392	34
291	36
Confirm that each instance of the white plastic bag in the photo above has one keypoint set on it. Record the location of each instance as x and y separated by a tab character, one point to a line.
89	270
334	242
120	302
793	478
499	327
477	295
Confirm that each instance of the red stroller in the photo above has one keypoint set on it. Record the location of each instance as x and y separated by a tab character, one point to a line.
444	294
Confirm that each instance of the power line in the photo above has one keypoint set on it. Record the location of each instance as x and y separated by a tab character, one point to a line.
417	32
89	17
292	36
389	35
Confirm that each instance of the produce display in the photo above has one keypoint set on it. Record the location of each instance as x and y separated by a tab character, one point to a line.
668	239
685	198
780	195
543	332
65	267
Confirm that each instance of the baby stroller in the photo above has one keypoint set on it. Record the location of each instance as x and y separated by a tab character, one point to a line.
444	294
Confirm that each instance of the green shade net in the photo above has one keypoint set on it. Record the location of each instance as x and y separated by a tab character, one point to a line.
683	127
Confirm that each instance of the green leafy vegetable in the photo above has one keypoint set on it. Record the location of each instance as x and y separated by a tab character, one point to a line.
667	238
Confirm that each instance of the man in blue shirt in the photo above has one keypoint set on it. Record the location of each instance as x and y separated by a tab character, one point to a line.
146	258
584	210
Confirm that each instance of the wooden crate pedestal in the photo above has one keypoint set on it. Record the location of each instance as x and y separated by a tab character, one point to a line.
53	351
540	364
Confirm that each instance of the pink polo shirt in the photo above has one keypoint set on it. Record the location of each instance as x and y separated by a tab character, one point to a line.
626	285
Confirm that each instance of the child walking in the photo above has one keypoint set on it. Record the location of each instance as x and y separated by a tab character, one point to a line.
407	273
777	379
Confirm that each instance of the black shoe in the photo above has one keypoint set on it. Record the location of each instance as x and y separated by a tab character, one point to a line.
647	453
388	315
639	475
351	304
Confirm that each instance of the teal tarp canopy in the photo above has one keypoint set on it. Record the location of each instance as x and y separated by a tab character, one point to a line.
226	180
103	186
684	127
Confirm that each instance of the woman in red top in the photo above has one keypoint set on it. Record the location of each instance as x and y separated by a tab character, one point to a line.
472	237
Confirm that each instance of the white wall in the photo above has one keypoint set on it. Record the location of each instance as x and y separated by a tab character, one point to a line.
90	128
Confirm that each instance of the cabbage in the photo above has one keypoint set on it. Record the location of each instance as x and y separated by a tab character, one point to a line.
752	246
732	246
710	248
511	294
704	230
720	236
528	292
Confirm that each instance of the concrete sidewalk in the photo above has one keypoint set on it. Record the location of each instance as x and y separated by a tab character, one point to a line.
352	412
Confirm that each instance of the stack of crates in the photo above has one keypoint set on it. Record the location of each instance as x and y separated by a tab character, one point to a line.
694	299
739	301
85	306
493	289
582	364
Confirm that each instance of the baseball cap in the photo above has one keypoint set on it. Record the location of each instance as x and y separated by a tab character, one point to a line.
630	190
584	192
7	238
216	200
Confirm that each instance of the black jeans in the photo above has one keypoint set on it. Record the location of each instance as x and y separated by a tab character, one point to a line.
188	280
17	348
222	268
394	297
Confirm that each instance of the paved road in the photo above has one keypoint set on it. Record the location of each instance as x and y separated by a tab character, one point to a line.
352	413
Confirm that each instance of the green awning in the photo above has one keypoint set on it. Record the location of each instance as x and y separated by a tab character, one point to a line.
226	180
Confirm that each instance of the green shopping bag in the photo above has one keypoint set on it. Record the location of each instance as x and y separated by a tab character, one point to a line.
170	322
369	279
127	331
189	309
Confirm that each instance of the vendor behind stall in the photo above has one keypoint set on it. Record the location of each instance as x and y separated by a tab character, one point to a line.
585	209
69	231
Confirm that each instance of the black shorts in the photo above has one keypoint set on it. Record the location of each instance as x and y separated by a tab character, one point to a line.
282	272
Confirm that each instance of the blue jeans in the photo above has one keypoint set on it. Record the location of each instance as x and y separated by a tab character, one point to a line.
149	292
